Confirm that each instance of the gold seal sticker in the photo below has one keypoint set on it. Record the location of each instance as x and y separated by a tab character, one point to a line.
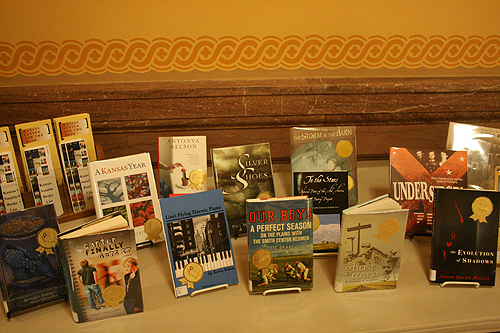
350	183
197	177
344	148
113	295
481	207
264	195
193	272
316	222
387	229
47	239
153	228
261	258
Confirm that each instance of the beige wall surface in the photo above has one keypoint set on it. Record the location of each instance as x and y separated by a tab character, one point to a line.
118	41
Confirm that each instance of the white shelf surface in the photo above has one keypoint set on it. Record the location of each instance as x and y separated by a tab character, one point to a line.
414	306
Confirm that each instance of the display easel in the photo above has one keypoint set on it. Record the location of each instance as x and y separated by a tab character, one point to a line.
282	290
209	289
444	284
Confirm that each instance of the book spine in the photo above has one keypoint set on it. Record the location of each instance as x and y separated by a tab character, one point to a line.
432	270
75	294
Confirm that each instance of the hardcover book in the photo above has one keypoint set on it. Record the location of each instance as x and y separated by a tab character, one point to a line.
482	145
30	270
371	244
465	236
76	148
280	243
182	163
326	149
198	242
242	172
328	190
126	184
10	179
415	173
41	162
101	269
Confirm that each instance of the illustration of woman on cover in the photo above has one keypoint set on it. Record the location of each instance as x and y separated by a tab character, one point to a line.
133	297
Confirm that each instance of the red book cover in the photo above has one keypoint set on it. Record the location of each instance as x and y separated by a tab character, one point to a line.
414	173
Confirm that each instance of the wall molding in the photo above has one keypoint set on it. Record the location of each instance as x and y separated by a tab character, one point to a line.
206	53
128	117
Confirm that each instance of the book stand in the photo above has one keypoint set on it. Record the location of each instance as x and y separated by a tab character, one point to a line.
270	291
144	244
444	284
209	289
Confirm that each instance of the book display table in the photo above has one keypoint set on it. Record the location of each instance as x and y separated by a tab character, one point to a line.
415	305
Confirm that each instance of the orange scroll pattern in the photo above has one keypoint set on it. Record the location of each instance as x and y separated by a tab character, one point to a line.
248	53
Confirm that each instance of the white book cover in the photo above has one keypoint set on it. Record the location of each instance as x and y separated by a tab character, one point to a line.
43	177
10	180
182	162
126	184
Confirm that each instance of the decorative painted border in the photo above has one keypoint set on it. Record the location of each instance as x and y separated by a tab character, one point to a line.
248	53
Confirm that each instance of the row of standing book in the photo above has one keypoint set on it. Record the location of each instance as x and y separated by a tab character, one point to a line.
427	196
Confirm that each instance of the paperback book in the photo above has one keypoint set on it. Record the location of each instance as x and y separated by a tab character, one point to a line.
326	149
29	266
482	145
198	242
126	184
10	180
182	164
74	156
415	173
465	236
76	148
371	245
328	190
41	162
242	172
280	243
101	269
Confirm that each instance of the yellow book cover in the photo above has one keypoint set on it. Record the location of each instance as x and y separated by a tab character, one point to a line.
76	127
76	148
10	178
38	150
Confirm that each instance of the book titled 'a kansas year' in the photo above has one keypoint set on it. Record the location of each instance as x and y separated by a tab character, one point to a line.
280	243
465	236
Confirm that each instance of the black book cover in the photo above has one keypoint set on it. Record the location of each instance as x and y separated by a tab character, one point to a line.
465	236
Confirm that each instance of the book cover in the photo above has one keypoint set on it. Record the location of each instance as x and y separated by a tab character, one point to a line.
242	172
482	145
198	242
40	158
127	184
414	173
102	274
75	157
465	236
76	127
328	190
371	244
280	243
182	164
30	270
10	179
326	149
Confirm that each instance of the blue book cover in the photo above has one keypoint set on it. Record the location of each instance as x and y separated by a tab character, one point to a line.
280	243
30	271
198	242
